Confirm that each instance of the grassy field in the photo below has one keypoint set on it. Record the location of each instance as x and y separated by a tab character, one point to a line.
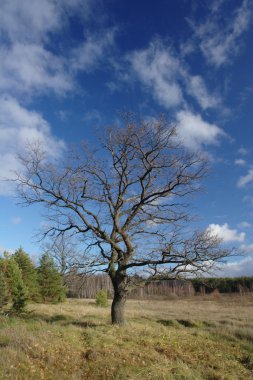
199	338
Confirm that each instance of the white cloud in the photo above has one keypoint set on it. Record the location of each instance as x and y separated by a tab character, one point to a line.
220	39
243	151
19	18
187	47
215	5
195	132
244	225
27	64
88	54
30	21
93	116
226	233
18	127
240	161
246	179
163	74
237	268
158	70
29	67
197	88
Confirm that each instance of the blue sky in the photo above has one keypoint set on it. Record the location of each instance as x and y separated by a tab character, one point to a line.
68	66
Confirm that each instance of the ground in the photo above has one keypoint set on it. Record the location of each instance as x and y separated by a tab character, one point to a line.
200	338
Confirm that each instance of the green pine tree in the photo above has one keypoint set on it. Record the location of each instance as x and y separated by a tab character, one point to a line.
29	273
102	298
18	289
50	280
3	289
4	268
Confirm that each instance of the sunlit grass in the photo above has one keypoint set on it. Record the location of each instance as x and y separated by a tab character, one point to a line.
198	338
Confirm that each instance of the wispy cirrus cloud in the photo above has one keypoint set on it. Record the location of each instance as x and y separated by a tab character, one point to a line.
158	70
19	18
30	68
220	39
31	21
215	5
246	179
29	62
196	88
19	127
161	71
32	64
170	83
90	53
26	63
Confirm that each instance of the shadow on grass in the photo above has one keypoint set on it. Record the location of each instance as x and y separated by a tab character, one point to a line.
176	323
60	319
247	362
85	324
189	323
169	322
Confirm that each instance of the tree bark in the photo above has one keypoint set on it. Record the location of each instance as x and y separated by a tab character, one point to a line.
119	282
118	308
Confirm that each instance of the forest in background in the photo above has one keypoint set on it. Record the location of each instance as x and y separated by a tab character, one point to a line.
87	286
21	281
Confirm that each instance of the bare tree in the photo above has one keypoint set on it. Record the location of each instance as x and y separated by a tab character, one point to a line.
64	252
129	201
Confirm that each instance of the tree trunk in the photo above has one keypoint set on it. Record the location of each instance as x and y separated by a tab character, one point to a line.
118	308
119	281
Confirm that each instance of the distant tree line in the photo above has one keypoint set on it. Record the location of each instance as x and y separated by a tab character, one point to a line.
87	286
223	285
21	281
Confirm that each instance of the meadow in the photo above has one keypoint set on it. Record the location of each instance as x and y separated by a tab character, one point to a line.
202	337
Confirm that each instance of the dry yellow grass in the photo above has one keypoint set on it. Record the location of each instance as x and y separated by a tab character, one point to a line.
198	338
